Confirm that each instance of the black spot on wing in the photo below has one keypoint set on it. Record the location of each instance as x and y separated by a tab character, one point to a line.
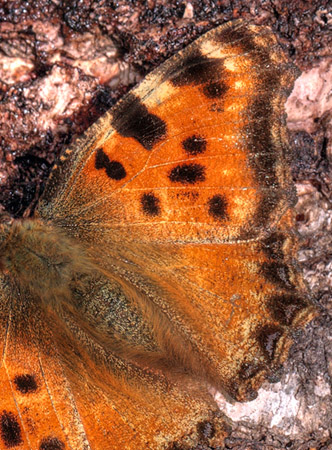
217	206
187	174
277	273
215	89
285	307
10	430
268	338
150	204
272	246
195	69
194	145
25	383
132	119
51	443
114	169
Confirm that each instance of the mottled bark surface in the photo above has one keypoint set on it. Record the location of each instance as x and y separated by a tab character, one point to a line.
62	64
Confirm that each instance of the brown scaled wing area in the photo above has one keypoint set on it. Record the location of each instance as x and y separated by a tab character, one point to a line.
181	193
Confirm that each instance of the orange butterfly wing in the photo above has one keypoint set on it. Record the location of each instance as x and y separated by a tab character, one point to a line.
180	195
182	189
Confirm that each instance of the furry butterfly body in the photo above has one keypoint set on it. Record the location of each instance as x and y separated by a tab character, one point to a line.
160	260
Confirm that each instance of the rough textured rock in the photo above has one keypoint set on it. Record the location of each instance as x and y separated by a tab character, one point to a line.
62	64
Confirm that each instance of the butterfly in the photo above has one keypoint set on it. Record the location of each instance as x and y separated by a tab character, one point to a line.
160	260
